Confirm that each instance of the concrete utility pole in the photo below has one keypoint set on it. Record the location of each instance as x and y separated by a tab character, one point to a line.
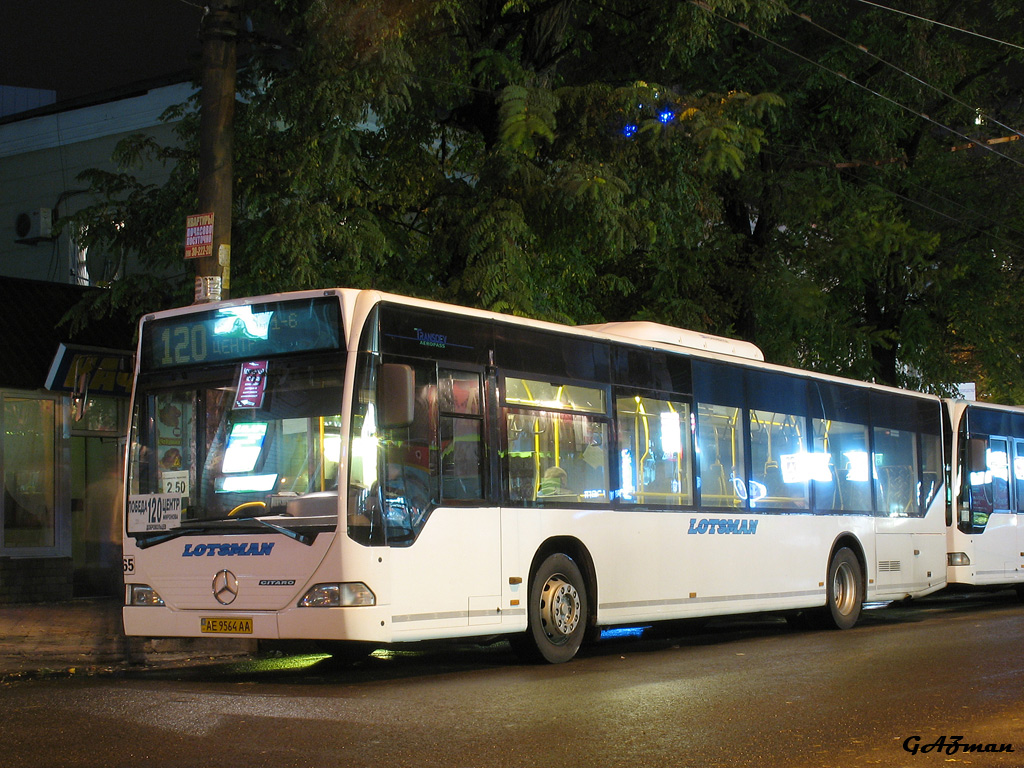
216	117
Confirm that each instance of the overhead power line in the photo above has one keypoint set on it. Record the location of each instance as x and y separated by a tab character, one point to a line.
703	6
864	50
846	170
941	24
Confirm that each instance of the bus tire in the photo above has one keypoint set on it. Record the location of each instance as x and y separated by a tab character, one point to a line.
557	611
844	589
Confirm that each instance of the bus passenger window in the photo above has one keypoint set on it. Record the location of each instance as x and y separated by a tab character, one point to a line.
989	478
999	466
895	473
1018	473
572	439
720	446
655	451
781	468
461	435
541	442
847	484
931	470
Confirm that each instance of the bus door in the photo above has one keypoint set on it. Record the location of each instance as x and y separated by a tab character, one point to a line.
908	507
993	518
1018	482
446	540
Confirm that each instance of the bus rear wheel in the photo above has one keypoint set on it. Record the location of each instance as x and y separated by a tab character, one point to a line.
557	611
845	589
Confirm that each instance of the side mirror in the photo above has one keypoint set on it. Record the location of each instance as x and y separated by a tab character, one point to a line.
396	390
978	460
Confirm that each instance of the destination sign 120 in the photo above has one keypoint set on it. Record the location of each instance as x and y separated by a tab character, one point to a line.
242	332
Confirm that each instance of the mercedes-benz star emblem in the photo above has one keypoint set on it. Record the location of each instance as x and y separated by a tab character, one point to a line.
225	587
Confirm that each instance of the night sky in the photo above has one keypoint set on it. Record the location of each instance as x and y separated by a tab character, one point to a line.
82	48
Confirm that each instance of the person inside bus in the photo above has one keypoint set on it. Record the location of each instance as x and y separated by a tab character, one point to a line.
555	483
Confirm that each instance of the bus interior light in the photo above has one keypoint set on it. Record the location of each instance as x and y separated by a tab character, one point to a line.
343	595
245	483
142	594
957	558
242	323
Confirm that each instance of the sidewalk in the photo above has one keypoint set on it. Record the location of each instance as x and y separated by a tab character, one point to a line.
80	636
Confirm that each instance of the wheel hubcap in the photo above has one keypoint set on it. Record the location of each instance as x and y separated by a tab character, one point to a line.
559	608
843	589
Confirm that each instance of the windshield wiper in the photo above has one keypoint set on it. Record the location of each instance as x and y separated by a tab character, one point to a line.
302	538
149	540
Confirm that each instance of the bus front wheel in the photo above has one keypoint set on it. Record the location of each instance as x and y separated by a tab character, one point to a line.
556	611
845	589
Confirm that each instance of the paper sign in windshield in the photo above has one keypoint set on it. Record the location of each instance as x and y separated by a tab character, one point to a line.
154	512
252	383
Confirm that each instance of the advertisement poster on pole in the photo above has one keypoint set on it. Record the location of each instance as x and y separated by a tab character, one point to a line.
198	235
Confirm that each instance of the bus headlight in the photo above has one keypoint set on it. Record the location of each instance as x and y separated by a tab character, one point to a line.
141	594
957	558
345	594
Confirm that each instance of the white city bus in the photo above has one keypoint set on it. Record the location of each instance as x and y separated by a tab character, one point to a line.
986	519
355	466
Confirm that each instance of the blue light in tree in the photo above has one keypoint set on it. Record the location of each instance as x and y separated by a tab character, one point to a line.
666	116
630	130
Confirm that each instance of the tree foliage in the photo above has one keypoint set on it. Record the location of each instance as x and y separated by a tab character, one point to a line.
745	169
866	245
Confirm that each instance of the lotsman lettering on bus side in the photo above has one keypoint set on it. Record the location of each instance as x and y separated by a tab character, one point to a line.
713	525
251	548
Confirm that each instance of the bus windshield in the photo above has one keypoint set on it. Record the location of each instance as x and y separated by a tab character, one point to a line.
237	442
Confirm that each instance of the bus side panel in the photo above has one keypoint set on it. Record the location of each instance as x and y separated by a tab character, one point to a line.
995	553
1019	554
911	556
448	583
665	565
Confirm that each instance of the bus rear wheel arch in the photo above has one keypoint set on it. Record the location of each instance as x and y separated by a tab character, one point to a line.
844	593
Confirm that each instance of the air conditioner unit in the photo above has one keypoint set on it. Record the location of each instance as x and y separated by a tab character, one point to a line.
33	226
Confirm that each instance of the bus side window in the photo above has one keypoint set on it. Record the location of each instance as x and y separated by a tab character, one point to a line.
999	466
655	450
461	434
1018	472
979	480
410	478
722	463
896	473
780	467
931	470
555	456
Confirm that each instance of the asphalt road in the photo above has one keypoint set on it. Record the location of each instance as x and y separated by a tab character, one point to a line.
749	692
